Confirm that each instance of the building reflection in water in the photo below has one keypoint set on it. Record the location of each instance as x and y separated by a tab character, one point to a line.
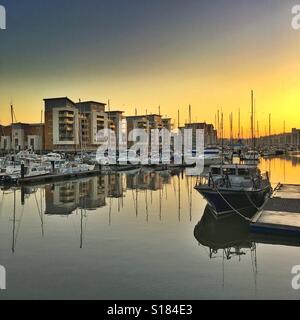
92	193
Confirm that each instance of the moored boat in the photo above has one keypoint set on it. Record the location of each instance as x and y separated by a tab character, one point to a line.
235	187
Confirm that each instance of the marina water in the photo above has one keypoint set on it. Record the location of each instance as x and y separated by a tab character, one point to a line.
145	235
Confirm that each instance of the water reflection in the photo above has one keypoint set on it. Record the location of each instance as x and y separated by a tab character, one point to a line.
134	228
230	234
90	194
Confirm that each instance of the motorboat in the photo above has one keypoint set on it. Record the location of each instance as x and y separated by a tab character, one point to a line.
33	170
50	157
252	156
210	156
73	168
235	187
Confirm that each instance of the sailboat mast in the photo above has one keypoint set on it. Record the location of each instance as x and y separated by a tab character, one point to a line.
270	130
222	136
239	134
252	119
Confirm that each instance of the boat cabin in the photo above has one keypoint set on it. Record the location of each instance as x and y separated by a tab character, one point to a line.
234	170
234	175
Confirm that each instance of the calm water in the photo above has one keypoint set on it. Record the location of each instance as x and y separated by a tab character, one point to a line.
146	236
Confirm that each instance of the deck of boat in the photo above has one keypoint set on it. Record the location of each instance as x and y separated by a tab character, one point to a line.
281	214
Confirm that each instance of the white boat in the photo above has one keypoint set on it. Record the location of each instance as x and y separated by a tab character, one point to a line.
73	168
210	156
252	156
50	157
33	170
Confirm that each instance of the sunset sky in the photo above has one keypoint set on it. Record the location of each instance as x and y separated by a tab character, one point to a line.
145	53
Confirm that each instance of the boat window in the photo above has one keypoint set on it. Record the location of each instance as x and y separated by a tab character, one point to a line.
229	171
244	172
216	171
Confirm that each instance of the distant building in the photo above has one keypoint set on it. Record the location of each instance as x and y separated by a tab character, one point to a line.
136	122
22	136
167	124
117	123
147	123
295	137
210	134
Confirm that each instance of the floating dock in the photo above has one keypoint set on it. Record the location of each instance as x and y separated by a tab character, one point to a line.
57	177
281	214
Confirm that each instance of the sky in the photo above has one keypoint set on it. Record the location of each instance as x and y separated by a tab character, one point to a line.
150	53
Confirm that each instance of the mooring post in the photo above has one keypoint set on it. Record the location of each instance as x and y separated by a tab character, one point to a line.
53	166
22	195
22	171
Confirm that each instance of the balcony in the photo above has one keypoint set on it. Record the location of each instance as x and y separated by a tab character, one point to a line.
66	137
66	121
63	128
66	114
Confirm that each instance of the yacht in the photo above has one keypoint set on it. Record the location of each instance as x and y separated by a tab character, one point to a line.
268	153
73	168
210	156
252	156
234	188
33	170
50	157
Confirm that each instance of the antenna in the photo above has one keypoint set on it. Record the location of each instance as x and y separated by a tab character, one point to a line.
190	114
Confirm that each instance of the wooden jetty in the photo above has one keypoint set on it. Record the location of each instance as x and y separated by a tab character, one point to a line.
281	214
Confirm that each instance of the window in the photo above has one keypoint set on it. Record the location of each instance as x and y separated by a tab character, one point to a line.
216	171
229	171
244	172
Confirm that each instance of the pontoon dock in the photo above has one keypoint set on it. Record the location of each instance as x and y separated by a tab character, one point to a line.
281	214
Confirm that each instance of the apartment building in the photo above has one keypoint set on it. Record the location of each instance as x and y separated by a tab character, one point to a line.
22	136
73	126
167	124
117	123
61	125
136	122
210	134
92	119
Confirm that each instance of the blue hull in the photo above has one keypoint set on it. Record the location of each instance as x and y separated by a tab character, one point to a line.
226	201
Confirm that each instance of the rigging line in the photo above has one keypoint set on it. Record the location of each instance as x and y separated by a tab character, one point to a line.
235	210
